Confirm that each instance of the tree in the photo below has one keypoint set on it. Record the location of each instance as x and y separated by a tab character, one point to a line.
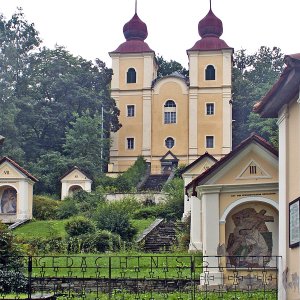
253	76
168	67
18	39
58	85
85	143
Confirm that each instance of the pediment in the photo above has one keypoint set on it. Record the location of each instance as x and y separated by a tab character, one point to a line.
253	170
8	171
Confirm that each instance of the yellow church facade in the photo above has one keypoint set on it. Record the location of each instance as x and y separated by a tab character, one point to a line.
171	120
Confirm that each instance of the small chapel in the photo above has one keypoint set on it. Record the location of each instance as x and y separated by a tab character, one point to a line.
174	119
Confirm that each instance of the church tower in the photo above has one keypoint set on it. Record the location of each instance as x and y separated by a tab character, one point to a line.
210	113
134	69
171	120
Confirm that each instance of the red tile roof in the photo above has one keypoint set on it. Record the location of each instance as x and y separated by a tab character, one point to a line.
71	170
133	46
205	155
9	160
284	89
220	164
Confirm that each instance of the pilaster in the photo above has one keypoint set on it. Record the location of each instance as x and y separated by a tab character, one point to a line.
283	203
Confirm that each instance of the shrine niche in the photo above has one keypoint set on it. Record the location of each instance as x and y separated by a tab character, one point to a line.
251	239
16	192
8	200
73	181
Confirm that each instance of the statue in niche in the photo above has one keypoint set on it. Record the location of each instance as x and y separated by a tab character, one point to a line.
250	239
8	200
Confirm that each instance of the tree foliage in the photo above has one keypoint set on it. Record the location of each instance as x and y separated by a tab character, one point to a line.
45	97
168	67
253	75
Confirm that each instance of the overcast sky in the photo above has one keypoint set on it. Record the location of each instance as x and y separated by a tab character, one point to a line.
92	28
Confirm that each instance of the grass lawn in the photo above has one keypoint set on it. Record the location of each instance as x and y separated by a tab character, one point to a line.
48	228
42	229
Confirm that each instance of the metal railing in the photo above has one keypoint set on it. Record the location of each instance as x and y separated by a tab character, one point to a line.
139	277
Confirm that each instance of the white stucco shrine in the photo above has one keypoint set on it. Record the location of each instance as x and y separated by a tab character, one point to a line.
16	192
74	180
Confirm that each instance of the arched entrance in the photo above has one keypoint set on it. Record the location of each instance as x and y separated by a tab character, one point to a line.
8	200
251	232
74	189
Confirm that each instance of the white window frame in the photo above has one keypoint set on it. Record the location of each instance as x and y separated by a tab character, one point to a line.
206	106
214	141
127	106
127	143
170	110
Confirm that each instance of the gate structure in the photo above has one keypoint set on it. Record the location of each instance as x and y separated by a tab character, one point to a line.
150	277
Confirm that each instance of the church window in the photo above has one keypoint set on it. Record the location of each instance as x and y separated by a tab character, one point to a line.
209	141
131	75
210	73
170	112
169	142
130	111
130	143
210	109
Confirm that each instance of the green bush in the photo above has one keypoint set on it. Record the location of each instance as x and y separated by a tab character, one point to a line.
12	281
45	208
10	252
147	212
113	217
100	241
126	182
66	209
173	206
79	225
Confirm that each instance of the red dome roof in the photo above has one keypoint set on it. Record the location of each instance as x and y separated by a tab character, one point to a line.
210	26
135	29
135	32
210	29
133	46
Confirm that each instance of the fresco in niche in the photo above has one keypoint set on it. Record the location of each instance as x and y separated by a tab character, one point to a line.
8	201
250	237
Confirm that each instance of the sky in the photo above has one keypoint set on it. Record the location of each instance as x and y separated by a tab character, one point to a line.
92	28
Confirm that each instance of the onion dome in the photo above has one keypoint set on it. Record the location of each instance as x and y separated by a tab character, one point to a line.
135	32
210	29
210	26
135	29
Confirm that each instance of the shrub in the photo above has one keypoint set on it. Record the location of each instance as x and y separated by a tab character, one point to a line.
66	209
147	212
9	250
100	241
12	281
79	225
174	200
127	181
114	218
45	208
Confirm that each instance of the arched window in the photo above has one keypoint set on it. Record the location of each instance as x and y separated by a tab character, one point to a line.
170	112
131	75
169	142
210	73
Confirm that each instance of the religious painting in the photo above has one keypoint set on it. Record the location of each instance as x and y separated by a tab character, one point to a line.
294	223
8	201
250	244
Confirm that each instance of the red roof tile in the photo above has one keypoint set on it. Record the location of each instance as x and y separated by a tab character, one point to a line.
214	168
7	159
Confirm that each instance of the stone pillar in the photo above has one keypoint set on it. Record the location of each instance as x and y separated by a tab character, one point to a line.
211	237
283	212
23	201
147	126
196	225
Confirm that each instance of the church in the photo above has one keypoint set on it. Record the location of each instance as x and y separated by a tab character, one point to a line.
171	120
